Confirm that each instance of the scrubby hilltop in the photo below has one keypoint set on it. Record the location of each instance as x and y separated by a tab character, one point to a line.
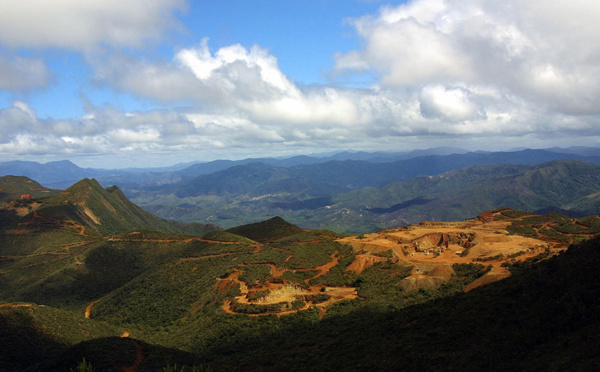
97	210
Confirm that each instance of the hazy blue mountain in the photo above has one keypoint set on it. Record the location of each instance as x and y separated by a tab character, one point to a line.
55	174
566	185
396	166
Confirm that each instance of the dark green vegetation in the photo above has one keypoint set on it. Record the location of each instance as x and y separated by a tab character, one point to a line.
552	226
70	286
388	195
107	211
273	229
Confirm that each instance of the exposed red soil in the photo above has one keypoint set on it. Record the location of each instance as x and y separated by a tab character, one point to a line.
16	305
88	309
363	262
497	273
281	291
431	248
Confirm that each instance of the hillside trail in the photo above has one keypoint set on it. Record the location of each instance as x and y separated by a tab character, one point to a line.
88	309
15	305
324	269
139	358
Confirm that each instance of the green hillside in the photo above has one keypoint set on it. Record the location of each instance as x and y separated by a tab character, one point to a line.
89	266
107	211
12	187
464	193
31	333
272	229
534	320
543	318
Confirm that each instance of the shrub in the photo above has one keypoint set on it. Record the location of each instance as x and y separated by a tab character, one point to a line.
83	366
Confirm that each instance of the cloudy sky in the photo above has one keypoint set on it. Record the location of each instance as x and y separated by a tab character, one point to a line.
112	83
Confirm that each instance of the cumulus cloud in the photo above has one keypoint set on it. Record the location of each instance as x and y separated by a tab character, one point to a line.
451	104
540	51
79	25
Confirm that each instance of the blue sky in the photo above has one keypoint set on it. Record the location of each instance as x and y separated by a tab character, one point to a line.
112	84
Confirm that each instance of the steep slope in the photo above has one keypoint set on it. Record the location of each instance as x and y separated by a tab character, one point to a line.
104	211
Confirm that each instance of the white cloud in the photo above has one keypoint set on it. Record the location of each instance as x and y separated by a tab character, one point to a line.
541	51
79	25
451	104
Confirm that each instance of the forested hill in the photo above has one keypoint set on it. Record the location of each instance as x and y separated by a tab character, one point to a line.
566	186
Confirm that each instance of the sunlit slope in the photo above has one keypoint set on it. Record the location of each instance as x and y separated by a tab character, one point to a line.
105	211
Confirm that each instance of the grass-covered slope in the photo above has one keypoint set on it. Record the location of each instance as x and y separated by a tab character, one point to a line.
31	333
13	187
106	211
543	318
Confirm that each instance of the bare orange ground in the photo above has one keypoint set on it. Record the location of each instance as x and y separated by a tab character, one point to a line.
364	261
284	291
15	305
428	245
88	309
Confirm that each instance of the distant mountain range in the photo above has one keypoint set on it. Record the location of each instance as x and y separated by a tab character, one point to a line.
62	174
351	191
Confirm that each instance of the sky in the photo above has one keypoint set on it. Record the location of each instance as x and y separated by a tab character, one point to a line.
148	83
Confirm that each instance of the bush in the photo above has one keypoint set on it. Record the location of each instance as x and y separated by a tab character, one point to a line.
83	366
